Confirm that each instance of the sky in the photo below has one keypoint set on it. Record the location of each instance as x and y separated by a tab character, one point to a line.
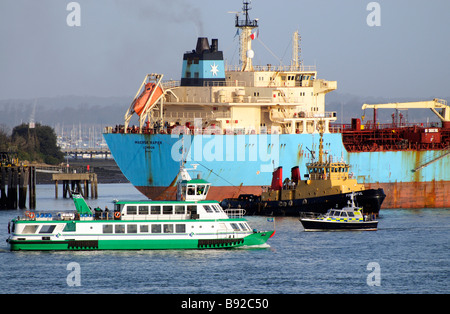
118	42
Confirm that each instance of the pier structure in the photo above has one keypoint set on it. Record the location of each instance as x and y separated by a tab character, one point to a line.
15	183
72	182
91	152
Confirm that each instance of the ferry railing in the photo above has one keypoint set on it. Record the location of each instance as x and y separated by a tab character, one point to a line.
310	215
235	212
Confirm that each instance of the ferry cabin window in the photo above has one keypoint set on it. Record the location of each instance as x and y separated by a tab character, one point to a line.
131	210
192	209
143	210
243	227
343	214
207	208
70	226
235	227
217	208
30	229
350	214
107	229
168	228
180	228
143	228
179	210
47	228
155	210
167	210
131	228
156	228
119	229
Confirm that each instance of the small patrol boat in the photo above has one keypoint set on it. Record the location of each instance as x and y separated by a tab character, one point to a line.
346	218
190	222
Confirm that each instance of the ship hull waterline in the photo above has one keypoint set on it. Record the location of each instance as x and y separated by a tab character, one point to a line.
318	225
243	164
252	240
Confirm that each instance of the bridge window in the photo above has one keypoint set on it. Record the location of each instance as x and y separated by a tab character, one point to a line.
191	190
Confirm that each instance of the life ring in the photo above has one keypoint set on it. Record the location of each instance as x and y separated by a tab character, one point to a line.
117	215
30	215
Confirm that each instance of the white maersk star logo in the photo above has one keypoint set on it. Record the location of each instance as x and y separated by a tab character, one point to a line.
214	69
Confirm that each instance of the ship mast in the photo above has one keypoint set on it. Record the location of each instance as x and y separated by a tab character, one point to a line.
246	27
296	50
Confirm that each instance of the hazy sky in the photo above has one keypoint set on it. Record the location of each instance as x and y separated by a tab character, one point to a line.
120	41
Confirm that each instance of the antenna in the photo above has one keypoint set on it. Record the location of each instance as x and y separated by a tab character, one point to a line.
245	42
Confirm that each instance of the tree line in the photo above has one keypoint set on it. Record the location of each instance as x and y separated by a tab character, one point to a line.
36	144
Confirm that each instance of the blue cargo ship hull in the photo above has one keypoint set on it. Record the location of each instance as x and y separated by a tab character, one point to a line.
240	164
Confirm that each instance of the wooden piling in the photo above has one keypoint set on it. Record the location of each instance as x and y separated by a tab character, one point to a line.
14	183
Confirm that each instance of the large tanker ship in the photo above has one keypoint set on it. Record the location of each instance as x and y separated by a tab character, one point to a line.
237	124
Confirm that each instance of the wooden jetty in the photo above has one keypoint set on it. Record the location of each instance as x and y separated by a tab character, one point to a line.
72	182
14	183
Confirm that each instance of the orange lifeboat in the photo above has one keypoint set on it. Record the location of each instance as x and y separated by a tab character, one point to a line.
140	102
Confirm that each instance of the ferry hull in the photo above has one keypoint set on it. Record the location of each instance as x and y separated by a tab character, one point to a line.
255	239
241	164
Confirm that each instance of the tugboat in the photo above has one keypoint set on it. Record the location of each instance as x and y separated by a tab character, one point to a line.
346	218
329	184
190	222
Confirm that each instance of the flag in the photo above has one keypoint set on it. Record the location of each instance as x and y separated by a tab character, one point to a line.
254	35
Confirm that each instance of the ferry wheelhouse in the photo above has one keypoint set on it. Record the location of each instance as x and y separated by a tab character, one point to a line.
190	222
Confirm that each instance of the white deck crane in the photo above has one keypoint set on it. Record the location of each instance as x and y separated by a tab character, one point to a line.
435	105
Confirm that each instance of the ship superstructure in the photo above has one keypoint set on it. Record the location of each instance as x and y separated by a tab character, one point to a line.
243	99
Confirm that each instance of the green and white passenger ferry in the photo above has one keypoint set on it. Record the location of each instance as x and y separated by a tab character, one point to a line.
190	222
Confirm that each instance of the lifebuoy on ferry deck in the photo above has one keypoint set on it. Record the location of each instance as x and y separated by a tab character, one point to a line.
117	214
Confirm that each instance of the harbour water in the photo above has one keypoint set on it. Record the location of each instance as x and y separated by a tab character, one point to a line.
408	254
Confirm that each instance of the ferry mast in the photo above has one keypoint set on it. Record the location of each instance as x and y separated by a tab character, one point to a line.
246	27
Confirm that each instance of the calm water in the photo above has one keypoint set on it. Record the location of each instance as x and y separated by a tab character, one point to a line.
411	248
